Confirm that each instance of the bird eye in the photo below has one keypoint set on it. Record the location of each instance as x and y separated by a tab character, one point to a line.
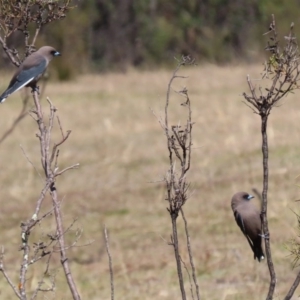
55	53
248	197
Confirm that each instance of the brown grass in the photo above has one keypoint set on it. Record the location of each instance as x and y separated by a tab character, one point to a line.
121	150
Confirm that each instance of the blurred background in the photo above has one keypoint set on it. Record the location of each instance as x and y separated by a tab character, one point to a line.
100	35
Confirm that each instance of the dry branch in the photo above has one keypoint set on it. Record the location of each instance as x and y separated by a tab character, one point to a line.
7	278
111	272
179	144
28	17
282	71
44	136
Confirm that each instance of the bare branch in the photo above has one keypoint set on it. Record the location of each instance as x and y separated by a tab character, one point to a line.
179	143
112	288
66	169
28	159
18	119
188	242
3	271
282	69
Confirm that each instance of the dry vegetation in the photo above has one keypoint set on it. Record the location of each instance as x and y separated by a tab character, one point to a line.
122	154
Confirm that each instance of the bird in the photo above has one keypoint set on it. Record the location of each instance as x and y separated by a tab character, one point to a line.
30	70
248	219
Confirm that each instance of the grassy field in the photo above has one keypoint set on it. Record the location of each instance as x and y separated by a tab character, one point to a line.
123	157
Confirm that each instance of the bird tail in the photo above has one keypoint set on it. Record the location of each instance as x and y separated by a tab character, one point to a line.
256	248
3	96
258	251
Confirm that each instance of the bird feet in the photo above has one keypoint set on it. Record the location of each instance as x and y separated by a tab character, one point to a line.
265	236
36	89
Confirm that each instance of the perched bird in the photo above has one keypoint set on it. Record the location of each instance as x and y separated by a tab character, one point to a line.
30	71
249	221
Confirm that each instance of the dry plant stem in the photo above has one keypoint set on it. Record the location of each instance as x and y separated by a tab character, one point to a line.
190	280
24	265
282	72
293	288
41	198
3	271
18	119
21	115
10	282
8	51
112	289
61	240
44	138
179	142
177	256
188	242
265	151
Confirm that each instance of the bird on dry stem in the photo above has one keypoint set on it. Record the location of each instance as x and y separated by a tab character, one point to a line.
30	71
248	219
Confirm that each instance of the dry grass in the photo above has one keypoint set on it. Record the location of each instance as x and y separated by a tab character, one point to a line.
121	149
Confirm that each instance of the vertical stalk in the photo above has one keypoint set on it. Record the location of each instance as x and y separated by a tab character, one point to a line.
293	288
177	255
188	242
265	152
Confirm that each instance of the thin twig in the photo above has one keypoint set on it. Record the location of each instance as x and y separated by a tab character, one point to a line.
3	271
61	240
190	280
112	288
188	242
18	119
28	159
66	169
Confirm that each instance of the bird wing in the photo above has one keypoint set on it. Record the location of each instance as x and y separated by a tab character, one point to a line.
27	74
240	222
23	77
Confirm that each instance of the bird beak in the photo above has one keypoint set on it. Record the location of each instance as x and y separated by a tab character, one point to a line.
57	53
250	197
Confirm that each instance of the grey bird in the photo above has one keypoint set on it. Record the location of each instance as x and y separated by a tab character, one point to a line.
30	71
248	219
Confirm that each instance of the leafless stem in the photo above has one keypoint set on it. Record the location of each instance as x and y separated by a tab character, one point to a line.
44	138
293	288
111	272
179	144
175	245
188	242
66	169
37	31
22	114
283	70
10	53
28	159
24	265
61	240
265	151
41	198
7	278
18	119
190	280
